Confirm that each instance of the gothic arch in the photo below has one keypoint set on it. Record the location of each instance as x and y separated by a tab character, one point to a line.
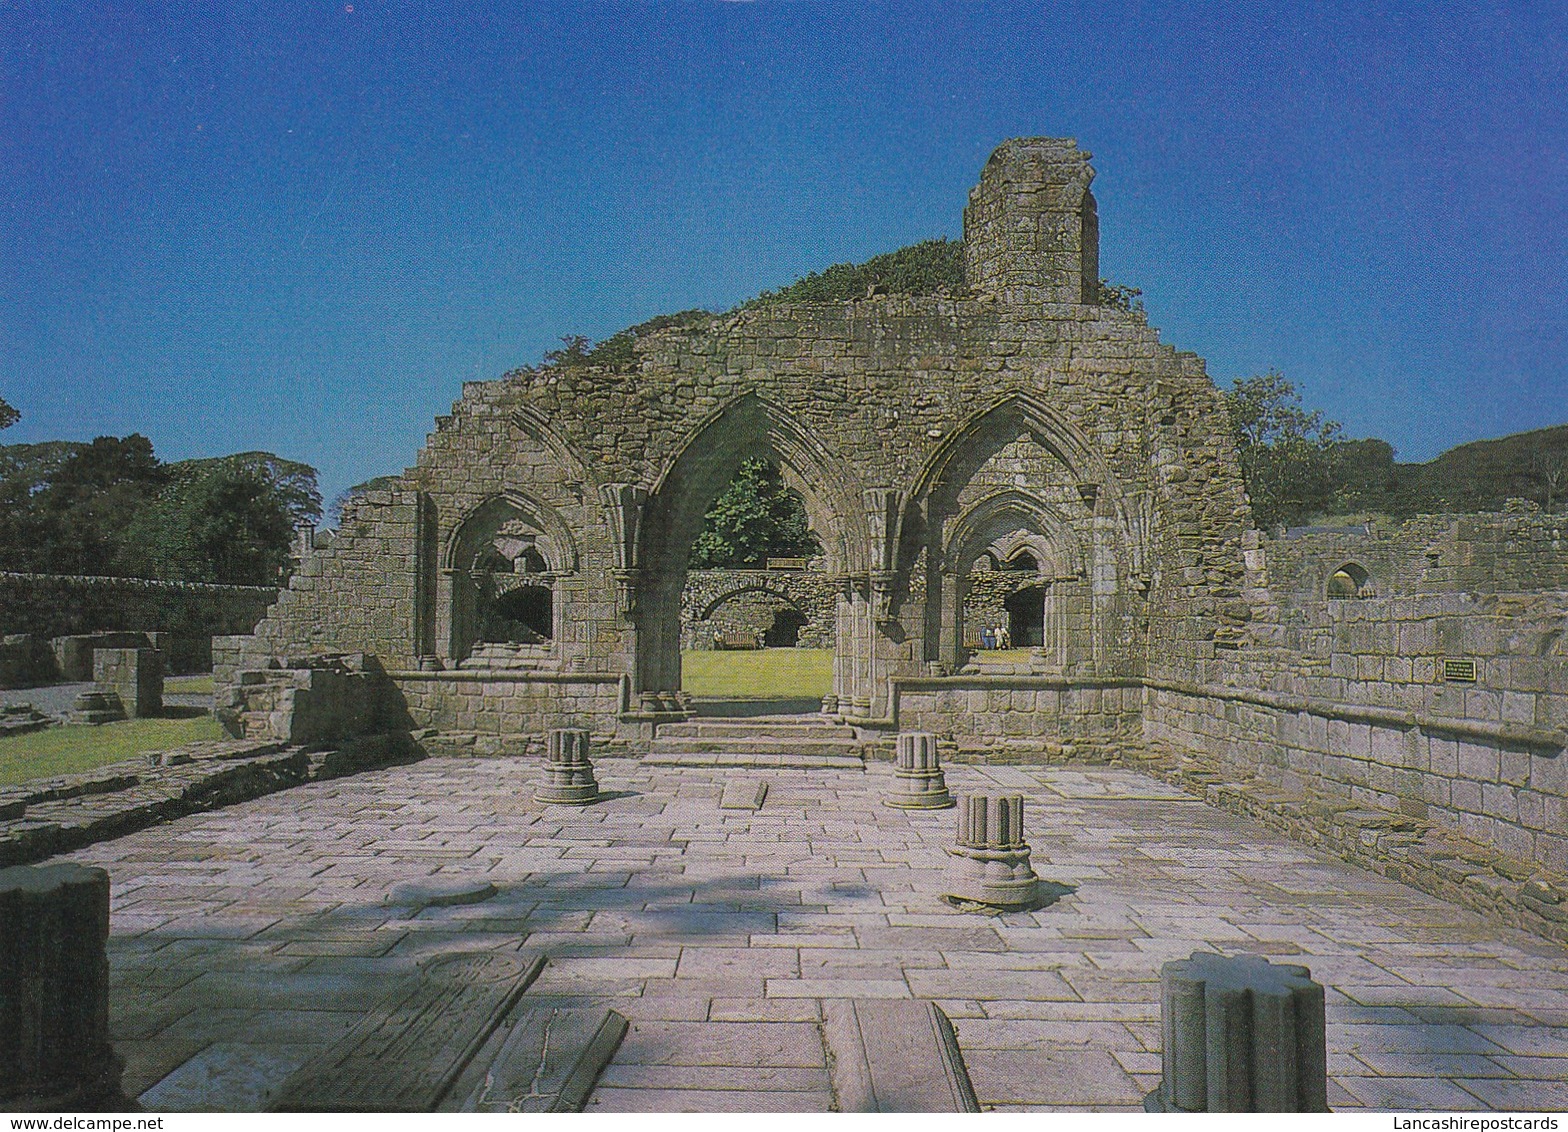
553	538
694	476
1016	520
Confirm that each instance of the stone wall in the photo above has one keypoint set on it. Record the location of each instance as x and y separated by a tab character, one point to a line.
746	602
1447	702
920	433
1024	718
512	704
1431	554
189	613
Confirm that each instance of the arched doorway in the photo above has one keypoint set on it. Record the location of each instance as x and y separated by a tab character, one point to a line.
673	518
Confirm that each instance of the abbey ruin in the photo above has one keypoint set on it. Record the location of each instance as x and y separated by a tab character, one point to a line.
530	570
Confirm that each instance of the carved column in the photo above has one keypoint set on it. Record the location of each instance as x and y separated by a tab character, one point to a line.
918	782
625	503
568	773
1240	1034
991	859
54	990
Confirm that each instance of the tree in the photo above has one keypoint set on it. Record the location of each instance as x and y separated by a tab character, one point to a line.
82	511
376	483
1285	451
756	517
228	519
1549	473
8	415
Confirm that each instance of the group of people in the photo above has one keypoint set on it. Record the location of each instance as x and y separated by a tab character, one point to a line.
995	637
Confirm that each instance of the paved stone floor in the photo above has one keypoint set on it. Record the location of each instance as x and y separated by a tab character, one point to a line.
247	939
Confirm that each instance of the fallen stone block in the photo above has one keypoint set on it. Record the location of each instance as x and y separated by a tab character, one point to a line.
891	1055
407	1053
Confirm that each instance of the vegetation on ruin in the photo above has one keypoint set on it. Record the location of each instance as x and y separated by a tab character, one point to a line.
753	519
762	674
1299	471
928	268
71	749
111	507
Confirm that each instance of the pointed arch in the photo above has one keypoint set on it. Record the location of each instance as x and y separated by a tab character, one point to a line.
701	467
1060	438
538	427
751	425
1016	520
553	539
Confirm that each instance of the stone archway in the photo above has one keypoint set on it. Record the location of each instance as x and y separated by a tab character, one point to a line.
673	516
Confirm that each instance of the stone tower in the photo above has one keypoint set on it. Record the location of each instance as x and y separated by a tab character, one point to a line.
1031	232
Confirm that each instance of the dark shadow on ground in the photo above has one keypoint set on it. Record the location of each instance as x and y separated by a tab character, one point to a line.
747	708
183	711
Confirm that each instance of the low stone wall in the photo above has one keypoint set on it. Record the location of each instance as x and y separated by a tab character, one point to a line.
510	703
189	613
1022	718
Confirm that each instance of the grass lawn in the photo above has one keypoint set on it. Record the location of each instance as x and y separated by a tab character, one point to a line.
65	750
189	685
766	674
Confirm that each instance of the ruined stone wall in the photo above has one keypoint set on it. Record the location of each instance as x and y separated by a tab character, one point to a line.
1025	718
746	602
189	613
1499	552
360	595
917	431
1444	704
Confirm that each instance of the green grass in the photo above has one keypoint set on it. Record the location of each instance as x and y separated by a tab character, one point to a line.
66	750
766	674
189	685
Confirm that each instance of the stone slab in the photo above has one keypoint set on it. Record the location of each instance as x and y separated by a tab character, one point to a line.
409	1050
896	1056
227	1077
743	795
548	1062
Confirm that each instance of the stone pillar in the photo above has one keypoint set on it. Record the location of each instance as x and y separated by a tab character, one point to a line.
135	675
568	775
1240	1034
54	990
918	783
991	859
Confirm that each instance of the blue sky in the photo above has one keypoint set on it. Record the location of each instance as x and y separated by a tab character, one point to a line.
300	227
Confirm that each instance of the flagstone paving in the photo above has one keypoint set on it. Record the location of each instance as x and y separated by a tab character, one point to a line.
247	940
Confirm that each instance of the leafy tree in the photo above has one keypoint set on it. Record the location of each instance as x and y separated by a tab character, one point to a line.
755	518
83	510
1285	450
8	415
228	519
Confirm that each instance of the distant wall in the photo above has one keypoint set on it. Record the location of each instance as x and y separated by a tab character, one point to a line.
190	613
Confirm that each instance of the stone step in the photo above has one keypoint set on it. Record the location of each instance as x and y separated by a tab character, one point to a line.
724	728
771	744
763	760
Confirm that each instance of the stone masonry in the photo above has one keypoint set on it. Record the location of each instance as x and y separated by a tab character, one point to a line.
1015	449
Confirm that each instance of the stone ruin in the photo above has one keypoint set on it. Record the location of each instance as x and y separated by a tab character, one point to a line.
1019	449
